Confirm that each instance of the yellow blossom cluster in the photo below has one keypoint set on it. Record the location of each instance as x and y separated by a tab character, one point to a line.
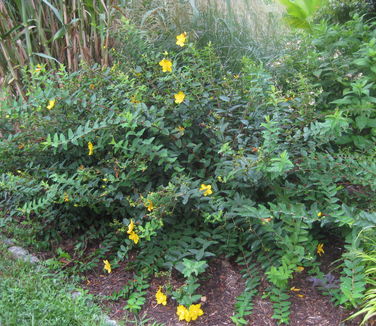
166	65
132	235
192	313
188	314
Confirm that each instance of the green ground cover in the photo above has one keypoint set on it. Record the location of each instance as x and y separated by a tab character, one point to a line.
32	295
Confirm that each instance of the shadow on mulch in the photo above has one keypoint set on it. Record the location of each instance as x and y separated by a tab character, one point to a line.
221	284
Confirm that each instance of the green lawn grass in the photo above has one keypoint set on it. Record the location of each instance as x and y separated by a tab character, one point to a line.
31	295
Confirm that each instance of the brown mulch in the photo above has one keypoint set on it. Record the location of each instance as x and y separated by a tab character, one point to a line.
221	284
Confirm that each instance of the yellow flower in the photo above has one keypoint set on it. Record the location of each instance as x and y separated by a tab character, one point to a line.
90	146
319	214
134	99
320	249
91	86
161	297
207	189
181	39
183	313
179	97
181	129
130	227
134	237
51	104
195	311
294	289
149	205
300	269
166	65
66	197
107	266
38	68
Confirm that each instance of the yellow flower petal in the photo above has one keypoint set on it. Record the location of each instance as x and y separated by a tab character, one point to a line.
51	104
130	227
207	189
320	249
90	146
181	39
134	237
149	205
107	266
183	313
166	65
179	97
300	269
161	297
195	311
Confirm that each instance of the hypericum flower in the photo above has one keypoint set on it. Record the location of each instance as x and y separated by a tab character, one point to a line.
183	313
195	311
66	197
300	269
319	214
130	227
161	297
320	249
179	97
51	104
90	146
38	68
166	65
149	205
134	237
134	100
207	189
107	266
181	39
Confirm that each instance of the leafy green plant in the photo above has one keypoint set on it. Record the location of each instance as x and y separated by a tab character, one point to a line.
368	306
300	12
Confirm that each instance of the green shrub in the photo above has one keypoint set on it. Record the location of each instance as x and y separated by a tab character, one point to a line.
172	153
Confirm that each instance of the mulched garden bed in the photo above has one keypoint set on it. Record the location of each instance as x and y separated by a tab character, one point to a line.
221	284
